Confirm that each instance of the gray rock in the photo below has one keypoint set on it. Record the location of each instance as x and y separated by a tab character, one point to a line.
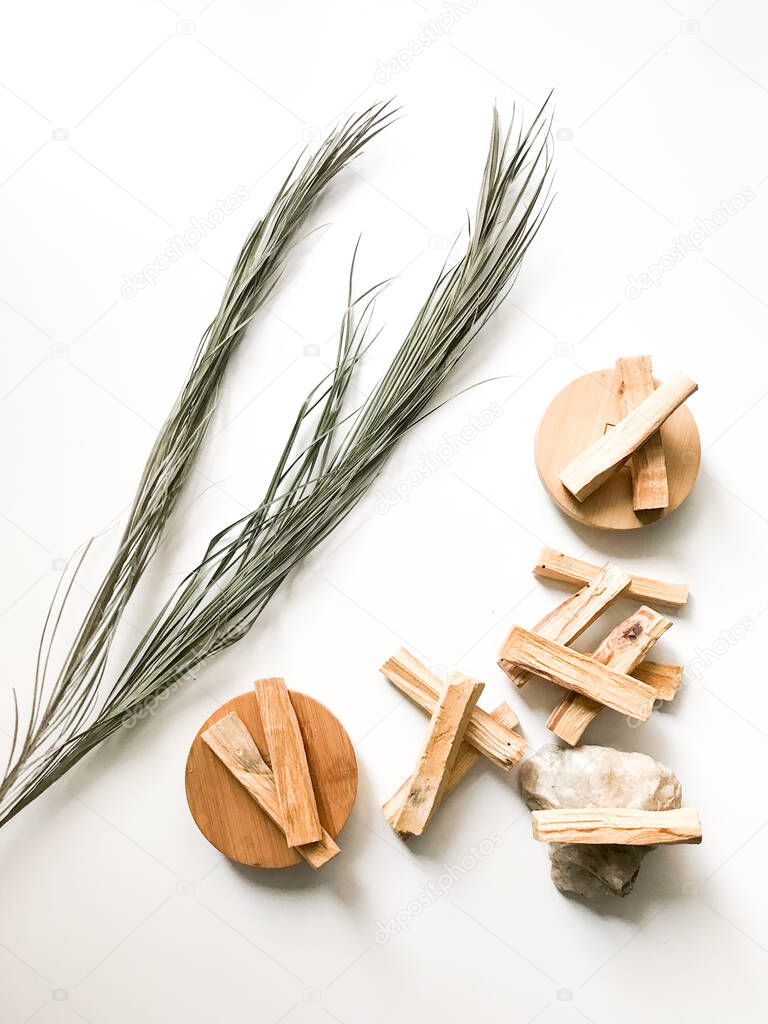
597	777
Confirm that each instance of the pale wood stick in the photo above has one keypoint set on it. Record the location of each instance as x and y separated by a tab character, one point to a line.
650	489
577	613
604	456
429	781
665	679
231	742
617	825
467	759
496	742
553	565
623	649
581	673
288	758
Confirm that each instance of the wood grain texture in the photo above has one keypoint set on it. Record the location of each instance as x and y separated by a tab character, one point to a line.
649	466
554	565
232	821
592	467
623	649
466	760
285	749
429	782
576	614
498	743
664	679
617	825
231	742
581	413
581	673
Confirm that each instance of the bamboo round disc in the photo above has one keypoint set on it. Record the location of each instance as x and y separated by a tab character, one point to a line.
578	416
232	821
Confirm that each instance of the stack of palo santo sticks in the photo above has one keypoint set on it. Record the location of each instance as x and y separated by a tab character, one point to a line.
459	734
636	435
283	788
614	676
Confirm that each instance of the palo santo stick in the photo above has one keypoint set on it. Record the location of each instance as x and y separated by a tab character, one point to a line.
604	456
553	565
618	825
446	733
665	679
577	613
650	489
623	648
581	673
288	758
498	743
231	742
467	759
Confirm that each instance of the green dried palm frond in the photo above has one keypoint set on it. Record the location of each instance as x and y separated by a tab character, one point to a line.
57	712
319	480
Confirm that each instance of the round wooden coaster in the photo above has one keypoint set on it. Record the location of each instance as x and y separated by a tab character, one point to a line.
232	821
581	413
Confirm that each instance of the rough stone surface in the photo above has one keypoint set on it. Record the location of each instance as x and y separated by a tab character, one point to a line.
597	777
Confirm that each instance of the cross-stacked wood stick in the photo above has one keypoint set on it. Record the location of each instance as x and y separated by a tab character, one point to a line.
231	742
592	467
665	679
571	618
553	565
650	489
289	763
623	648
613	676
581	673
462	738
467	759
492	739
430	781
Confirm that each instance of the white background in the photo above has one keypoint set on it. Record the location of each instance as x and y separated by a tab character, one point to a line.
123	123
